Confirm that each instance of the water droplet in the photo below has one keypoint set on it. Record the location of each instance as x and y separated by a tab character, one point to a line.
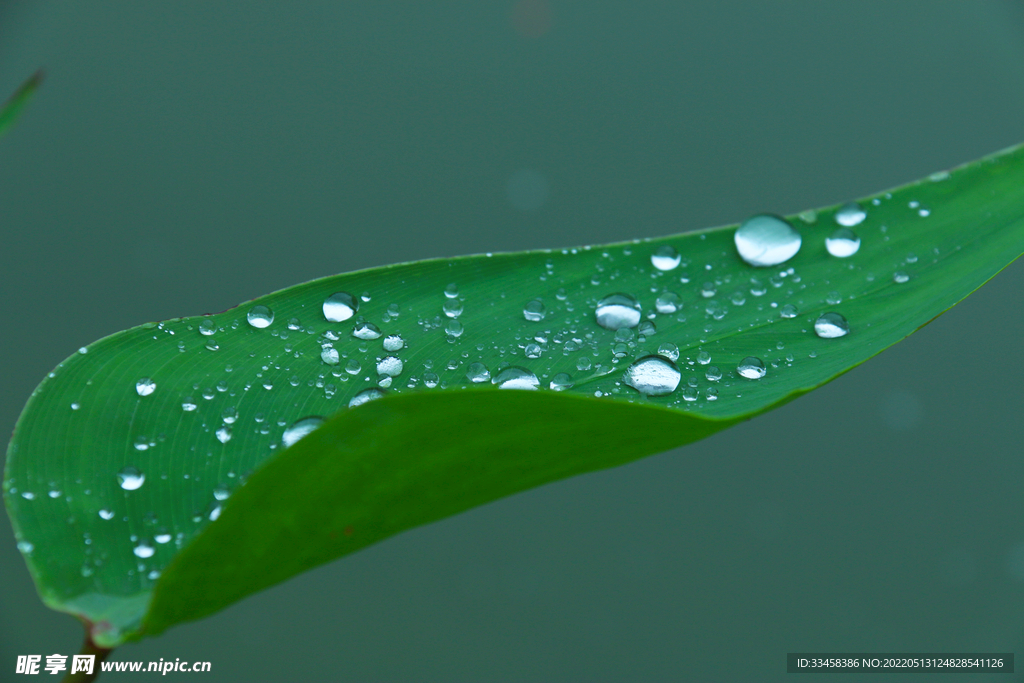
26	547
452	308
75	406
300	428
294	324
260	317
477	373
365	396
82	349
534	311
141	443
340	306
390	366
900	277
711	394
130	478
751	368
583	363
144	551
669	350
106	514
668	302
223	434
766	240
516	378
394	310
533	351
689	394
230	415
833	298
810	216
616	311
788	311
561	381
842	243
353	367
653	376
394	342
221	492
28	495
665	258
831	325
366	331
850	215
207	327
188	404
330	355
162	538
451	291
430	380
703	357
145	386
214	513
738	298
713	373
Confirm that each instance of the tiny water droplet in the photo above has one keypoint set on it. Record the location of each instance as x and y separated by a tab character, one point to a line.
842	243
394	310
583	363
653	376
833	298
162	538
850	214
260	317
144	551
647	328
616	311
533	351
665	258
751	368
106	514
26	547
900	277
766	240
223	434
452	308
365	396
145	386
787	311
300	428
711	394
451	291
516	378
82	349
689	394
141	443
294	324
713	373
353	367
366	331
130	478
28	495
703	357
75	406
831	326
229	415
221	492
394	342
207	327
477	373
430	380
340	306
188	404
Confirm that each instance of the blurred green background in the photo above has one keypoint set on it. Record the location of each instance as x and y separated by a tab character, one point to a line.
184	157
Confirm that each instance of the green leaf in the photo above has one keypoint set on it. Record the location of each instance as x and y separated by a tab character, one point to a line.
12	108
200	405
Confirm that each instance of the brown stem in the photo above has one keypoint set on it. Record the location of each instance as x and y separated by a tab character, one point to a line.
88	648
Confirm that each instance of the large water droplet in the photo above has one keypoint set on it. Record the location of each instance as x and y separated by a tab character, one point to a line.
144	551
842	243
561	381
260	317
390	366
365	330
751	368
831	325
340	306
130	478
365	396
300	428
616	311
516	378
766	240
665	258
477	373
850	215
653	376
145	386
534	311
394	342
